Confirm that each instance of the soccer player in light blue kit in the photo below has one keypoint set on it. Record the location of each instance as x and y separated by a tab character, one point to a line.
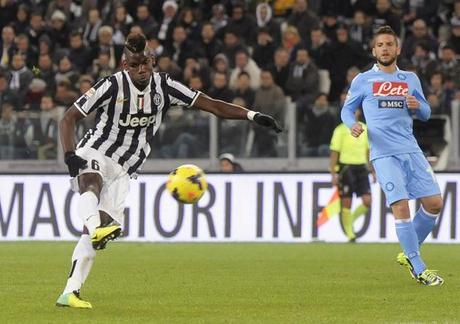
391	98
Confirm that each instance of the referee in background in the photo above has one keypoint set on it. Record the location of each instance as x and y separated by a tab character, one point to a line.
349	167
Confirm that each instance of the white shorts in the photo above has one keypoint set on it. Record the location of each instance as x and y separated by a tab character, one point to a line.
115	182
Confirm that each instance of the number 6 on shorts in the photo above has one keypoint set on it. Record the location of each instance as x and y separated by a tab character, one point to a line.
95	165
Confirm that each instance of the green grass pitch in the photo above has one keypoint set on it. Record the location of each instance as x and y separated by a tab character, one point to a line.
229	283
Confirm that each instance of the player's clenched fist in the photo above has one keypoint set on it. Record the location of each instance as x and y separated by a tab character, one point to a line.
357	129
412	102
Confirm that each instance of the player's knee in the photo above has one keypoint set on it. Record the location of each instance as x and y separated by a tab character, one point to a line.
435	206
90	182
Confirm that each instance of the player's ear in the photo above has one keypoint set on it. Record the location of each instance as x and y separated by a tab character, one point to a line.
373	52
154	60
124	64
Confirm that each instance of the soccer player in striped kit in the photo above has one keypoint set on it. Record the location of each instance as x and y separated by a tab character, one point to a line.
390	99
130	106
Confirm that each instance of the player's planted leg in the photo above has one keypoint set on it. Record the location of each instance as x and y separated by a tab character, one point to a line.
82	261
407	236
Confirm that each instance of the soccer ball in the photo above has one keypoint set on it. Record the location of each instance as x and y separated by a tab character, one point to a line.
187	183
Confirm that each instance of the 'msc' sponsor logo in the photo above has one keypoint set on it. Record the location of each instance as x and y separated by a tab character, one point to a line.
398	104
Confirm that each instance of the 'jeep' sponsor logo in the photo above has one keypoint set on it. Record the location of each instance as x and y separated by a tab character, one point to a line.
391	103
133	121
390	88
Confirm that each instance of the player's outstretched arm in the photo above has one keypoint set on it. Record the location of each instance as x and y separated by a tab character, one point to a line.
227	110
67	135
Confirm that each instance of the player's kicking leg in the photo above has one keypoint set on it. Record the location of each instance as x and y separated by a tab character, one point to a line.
90	185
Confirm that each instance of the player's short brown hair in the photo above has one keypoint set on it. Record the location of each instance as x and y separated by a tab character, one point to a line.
385	30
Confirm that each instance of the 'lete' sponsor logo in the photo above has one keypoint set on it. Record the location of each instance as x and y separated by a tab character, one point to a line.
390	88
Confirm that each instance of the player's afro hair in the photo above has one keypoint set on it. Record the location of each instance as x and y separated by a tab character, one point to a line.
135	43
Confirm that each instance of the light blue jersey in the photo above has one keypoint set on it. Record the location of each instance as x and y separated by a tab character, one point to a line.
389	121
402	170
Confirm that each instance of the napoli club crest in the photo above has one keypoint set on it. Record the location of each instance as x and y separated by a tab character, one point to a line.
157	99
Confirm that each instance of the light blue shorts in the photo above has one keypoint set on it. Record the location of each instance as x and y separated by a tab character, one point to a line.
405	176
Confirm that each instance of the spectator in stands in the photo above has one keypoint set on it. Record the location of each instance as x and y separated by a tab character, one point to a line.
303	19
21	23
144	19
243	62
330	25
221	64
317	125
7	12
46	46
165	64
424	61
280	67
67	71
291	41
36	28
264	15
454	39
101	66
106	45
7	132
121	23
243	24
58	30
168	22
232	44
20	78
37	89
219	17
425	10
228	164
439	94
49	118
191	21
65	96
47	71
6	95
208	42
269	98
243	89
264	48
385	16
303	78
62	5
181	47
155	45
91	28
30	53
319	48
420	33
219	89
449	64
79	54
7	46
361	30
344	54
194	67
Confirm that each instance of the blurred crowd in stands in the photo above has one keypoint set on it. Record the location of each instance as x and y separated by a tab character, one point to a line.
259	54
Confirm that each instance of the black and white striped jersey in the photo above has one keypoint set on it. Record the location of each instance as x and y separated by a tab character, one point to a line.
127	118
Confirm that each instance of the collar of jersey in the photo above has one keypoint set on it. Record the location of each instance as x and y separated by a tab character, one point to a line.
134	88
376	68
